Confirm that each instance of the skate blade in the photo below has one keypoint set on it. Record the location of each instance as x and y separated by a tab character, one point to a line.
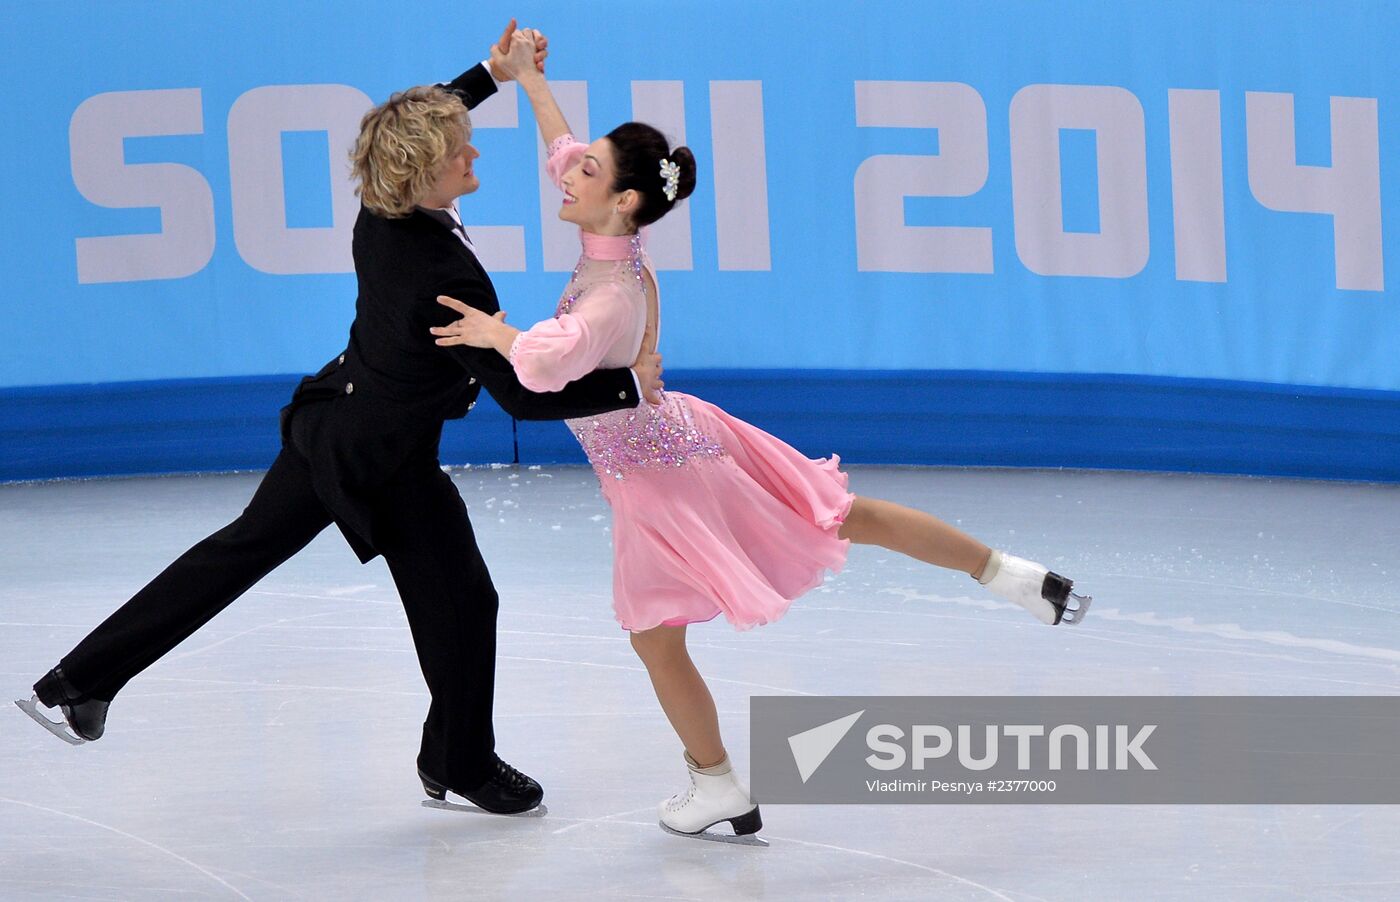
1074	615
752	839
57	727
539	810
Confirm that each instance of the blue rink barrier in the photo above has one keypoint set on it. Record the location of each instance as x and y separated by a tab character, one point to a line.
868	417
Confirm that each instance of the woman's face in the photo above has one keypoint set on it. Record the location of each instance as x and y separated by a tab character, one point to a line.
589	201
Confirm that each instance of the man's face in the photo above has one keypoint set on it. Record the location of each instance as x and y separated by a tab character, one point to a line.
458	176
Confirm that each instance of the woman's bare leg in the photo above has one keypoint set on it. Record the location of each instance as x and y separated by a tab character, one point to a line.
1048	596
682	692
921	536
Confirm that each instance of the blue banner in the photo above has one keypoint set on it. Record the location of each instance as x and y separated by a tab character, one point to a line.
1160	235
1194	189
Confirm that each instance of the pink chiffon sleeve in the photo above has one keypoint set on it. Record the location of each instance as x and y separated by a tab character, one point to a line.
557	351
564	153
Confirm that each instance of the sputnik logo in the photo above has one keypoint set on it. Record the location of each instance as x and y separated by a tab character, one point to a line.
812	747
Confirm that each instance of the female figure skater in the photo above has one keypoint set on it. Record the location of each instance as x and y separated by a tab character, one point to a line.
711	515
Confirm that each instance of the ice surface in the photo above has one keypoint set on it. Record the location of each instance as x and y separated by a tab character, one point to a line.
271	755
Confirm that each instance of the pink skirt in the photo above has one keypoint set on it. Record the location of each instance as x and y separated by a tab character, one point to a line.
740	535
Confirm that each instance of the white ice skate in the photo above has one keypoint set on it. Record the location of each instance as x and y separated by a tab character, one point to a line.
715	795
1045	594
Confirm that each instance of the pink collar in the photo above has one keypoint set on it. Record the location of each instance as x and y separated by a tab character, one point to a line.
609	247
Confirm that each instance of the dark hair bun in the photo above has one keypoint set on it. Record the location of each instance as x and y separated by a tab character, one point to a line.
683	158
638	150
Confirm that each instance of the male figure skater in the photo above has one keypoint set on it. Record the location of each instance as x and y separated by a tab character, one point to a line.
360	449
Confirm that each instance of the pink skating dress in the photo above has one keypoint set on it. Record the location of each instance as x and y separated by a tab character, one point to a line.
710	514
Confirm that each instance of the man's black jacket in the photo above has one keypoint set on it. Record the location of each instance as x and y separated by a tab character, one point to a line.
380	405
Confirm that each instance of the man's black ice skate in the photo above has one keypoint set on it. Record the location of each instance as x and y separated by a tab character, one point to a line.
84	719
1045	594
505	791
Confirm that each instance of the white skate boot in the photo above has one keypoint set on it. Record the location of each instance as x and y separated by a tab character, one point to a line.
1045	594
715	794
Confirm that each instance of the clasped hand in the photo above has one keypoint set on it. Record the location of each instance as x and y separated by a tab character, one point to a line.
518	53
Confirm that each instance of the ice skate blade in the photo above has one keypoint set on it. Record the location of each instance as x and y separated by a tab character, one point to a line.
57	727
539	810
752	839
1074	615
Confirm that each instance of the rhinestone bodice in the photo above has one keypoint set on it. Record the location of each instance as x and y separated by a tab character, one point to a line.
645	437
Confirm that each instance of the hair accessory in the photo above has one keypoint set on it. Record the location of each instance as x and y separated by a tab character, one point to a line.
672	174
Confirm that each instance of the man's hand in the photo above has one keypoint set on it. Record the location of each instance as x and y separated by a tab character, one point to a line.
498	70
648	370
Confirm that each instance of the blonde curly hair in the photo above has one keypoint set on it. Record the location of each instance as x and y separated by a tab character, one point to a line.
402	146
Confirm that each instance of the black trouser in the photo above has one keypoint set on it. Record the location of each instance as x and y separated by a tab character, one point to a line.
421	528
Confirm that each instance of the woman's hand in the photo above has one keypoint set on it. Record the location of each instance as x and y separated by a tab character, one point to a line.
475	329
501	48
647	367
520	54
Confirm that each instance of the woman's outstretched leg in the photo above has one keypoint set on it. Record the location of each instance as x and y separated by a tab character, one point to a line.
715	793
926	538
922	536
